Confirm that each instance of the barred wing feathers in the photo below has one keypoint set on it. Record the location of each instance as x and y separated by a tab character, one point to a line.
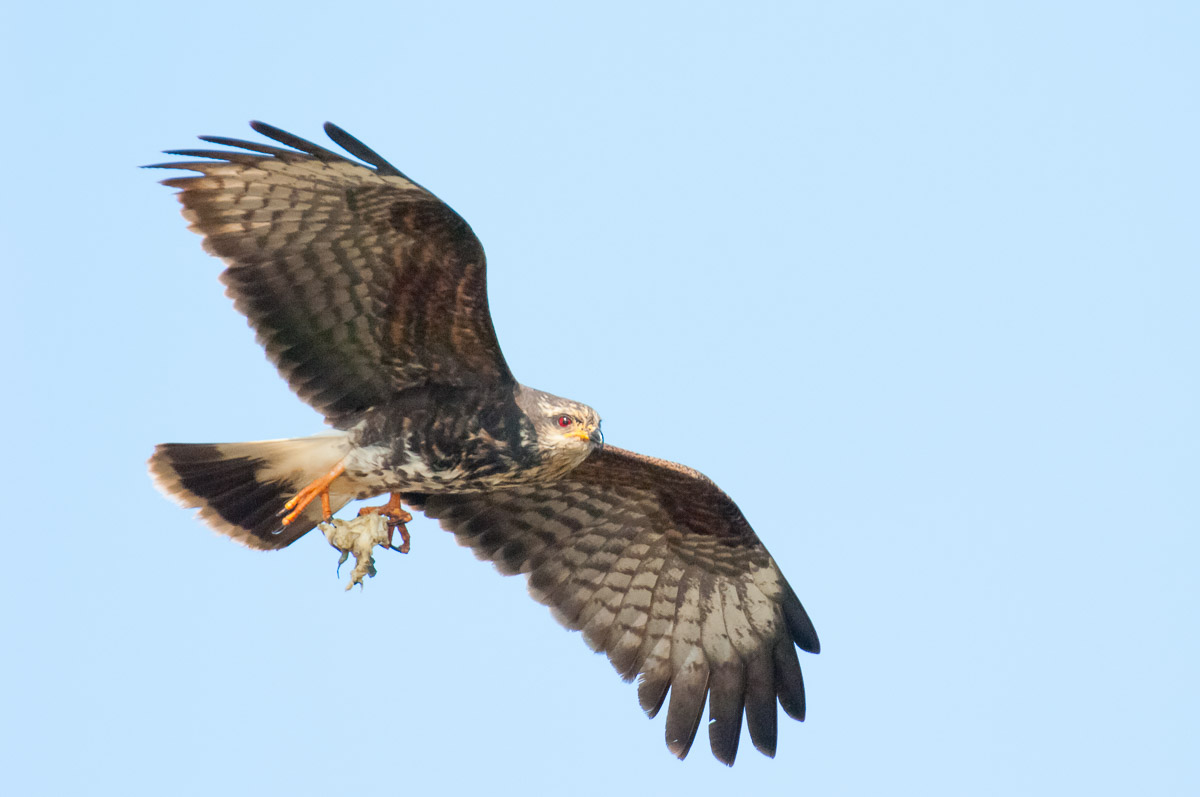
358	282
659	569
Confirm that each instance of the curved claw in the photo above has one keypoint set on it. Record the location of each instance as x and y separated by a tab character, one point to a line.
405	537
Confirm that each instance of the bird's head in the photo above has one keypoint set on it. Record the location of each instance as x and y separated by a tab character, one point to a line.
567	430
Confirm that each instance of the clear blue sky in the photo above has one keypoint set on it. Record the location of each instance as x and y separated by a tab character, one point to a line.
936	264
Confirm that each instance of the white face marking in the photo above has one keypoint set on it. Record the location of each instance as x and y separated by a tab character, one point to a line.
564	445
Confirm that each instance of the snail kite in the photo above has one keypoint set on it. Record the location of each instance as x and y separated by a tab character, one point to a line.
369	295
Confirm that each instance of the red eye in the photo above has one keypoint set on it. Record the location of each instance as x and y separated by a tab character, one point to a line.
565	420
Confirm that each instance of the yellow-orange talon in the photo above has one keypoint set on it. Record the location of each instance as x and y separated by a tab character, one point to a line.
319	488
393	510
396	516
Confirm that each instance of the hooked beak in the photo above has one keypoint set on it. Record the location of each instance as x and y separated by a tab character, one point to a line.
593	435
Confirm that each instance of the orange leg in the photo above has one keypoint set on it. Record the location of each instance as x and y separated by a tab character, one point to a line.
396	517
317	489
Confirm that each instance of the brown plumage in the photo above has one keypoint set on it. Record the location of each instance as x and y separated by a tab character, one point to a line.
660	571
359	282
369	294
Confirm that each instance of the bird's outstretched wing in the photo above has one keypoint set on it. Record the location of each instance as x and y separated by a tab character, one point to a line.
359	282
659	569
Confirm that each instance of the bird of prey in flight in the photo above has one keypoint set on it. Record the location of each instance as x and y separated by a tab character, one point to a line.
369	295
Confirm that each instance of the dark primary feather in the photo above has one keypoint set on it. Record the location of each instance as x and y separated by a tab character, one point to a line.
659	569
295	142
359	283
362	151
253	146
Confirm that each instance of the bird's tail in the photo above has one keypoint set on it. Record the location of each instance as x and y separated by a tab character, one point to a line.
240	488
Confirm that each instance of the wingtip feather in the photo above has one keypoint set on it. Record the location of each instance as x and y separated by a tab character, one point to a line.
789	681
800	626
361	151
726	704
296	142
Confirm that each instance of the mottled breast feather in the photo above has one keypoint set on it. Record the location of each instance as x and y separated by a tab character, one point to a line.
359	282
659	569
